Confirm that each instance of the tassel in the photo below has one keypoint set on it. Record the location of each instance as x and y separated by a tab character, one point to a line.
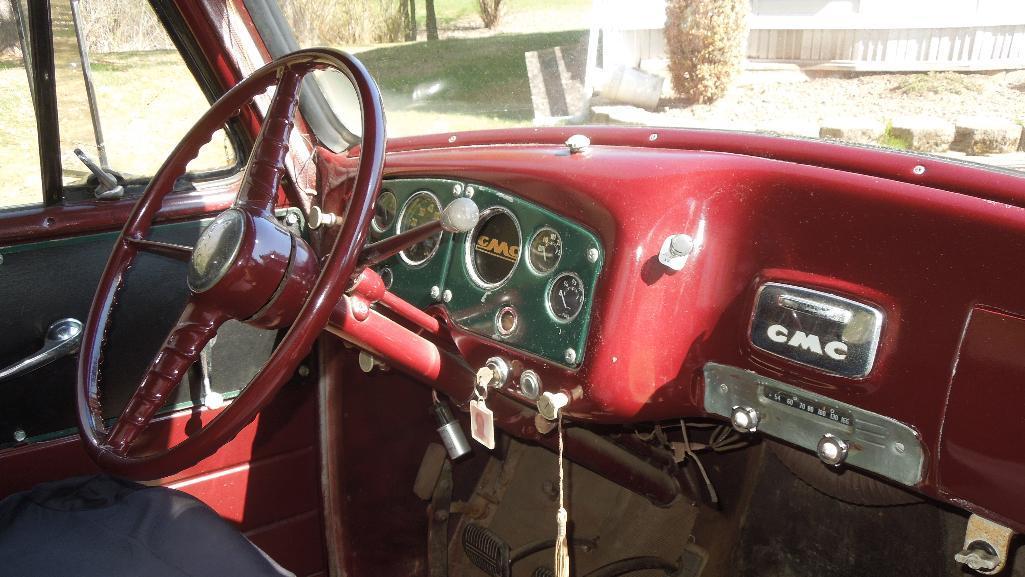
561	520
561	545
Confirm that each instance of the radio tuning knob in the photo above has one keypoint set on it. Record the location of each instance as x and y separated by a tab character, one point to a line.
832	450
745	419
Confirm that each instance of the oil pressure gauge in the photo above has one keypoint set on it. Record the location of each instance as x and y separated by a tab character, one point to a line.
566	297
545	250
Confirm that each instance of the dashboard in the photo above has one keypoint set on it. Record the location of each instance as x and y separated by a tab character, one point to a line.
524	276
830	294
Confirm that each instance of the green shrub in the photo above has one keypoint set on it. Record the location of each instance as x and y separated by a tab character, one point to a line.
705	40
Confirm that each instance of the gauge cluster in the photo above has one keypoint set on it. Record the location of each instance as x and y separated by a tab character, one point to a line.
524	276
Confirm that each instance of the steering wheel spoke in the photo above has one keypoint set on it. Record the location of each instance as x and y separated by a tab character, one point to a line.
267	162
196	326
170	250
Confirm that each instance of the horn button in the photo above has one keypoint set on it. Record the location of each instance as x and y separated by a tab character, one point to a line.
240	261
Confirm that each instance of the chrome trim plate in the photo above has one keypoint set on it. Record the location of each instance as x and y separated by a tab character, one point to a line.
877	443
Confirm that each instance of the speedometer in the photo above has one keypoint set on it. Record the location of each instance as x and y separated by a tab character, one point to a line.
493	249
421	208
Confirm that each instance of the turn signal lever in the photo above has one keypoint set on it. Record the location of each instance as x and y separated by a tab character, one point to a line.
460	215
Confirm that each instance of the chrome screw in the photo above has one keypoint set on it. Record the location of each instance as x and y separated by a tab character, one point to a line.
724	388
435	292
304	371
446	296
653	137
899	447
571	356
291	219
592	254
19	435
919	170
457	189
470	192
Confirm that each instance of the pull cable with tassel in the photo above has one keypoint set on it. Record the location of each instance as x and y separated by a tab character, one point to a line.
550	406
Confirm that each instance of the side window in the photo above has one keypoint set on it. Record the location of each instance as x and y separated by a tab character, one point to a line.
125	96
19	148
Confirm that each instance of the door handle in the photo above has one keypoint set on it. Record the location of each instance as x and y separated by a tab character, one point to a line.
62	339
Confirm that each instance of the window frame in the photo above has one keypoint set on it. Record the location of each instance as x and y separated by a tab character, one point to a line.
44	89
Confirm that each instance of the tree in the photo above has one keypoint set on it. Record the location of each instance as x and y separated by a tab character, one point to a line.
490	12
409	12
705	40
432	21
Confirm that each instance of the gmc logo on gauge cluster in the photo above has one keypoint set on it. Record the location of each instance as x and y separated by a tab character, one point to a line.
821	330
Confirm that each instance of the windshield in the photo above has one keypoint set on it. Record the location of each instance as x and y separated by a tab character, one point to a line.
944	77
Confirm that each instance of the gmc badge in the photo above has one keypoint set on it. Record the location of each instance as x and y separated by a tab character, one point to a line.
816	329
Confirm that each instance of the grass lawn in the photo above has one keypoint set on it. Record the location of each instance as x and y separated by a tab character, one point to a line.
148	100
459	83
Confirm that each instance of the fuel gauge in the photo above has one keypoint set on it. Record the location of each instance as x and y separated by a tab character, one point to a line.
566	297
545	251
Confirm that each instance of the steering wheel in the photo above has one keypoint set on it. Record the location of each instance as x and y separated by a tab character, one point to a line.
244	266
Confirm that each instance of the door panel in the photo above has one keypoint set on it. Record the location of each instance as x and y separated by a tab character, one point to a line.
49	280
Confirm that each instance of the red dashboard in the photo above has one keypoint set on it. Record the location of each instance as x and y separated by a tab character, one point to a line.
934	246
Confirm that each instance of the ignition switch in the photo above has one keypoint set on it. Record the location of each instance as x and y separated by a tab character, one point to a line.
494	374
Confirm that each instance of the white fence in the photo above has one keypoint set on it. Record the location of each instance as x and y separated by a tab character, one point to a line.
864	35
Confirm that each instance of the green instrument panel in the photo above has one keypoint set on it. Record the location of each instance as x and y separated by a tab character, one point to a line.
524	276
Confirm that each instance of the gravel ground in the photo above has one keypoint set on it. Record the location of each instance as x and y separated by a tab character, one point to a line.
792	103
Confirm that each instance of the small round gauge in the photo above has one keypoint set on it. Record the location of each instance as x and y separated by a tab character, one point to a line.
566	297
421	208
384	211
545	250
493	249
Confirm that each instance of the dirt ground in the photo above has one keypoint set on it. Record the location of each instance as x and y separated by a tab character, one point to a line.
798	102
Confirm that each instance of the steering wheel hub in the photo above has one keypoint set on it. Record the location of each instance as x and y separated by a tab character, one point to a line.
216	250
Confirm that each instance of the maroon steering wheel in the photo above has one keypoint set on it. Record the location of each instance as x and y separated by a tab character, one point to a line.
244	266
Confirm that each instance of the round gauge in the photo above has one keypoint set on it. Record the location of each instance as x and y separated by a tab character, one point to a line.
384	211
493	249
545	250
566	297
421	208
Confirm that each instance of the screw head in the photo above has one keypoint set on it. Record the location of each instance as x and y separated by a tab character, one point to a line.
1	259
592	254
291	219
452	138
918	170
446	296
653	136
571	356
470	191
899	447
304	371
724	388
435	292
19	435
457	189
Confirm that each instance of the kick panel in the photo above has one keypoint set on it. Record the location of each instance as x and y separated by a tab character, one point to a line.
837	431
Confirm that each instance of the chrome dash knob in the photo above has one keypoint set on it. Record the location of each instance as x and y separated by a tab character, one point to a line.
745	419
832	450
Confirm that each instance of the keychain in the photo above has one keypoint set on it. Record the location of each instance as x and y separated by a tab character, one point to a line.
482	420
